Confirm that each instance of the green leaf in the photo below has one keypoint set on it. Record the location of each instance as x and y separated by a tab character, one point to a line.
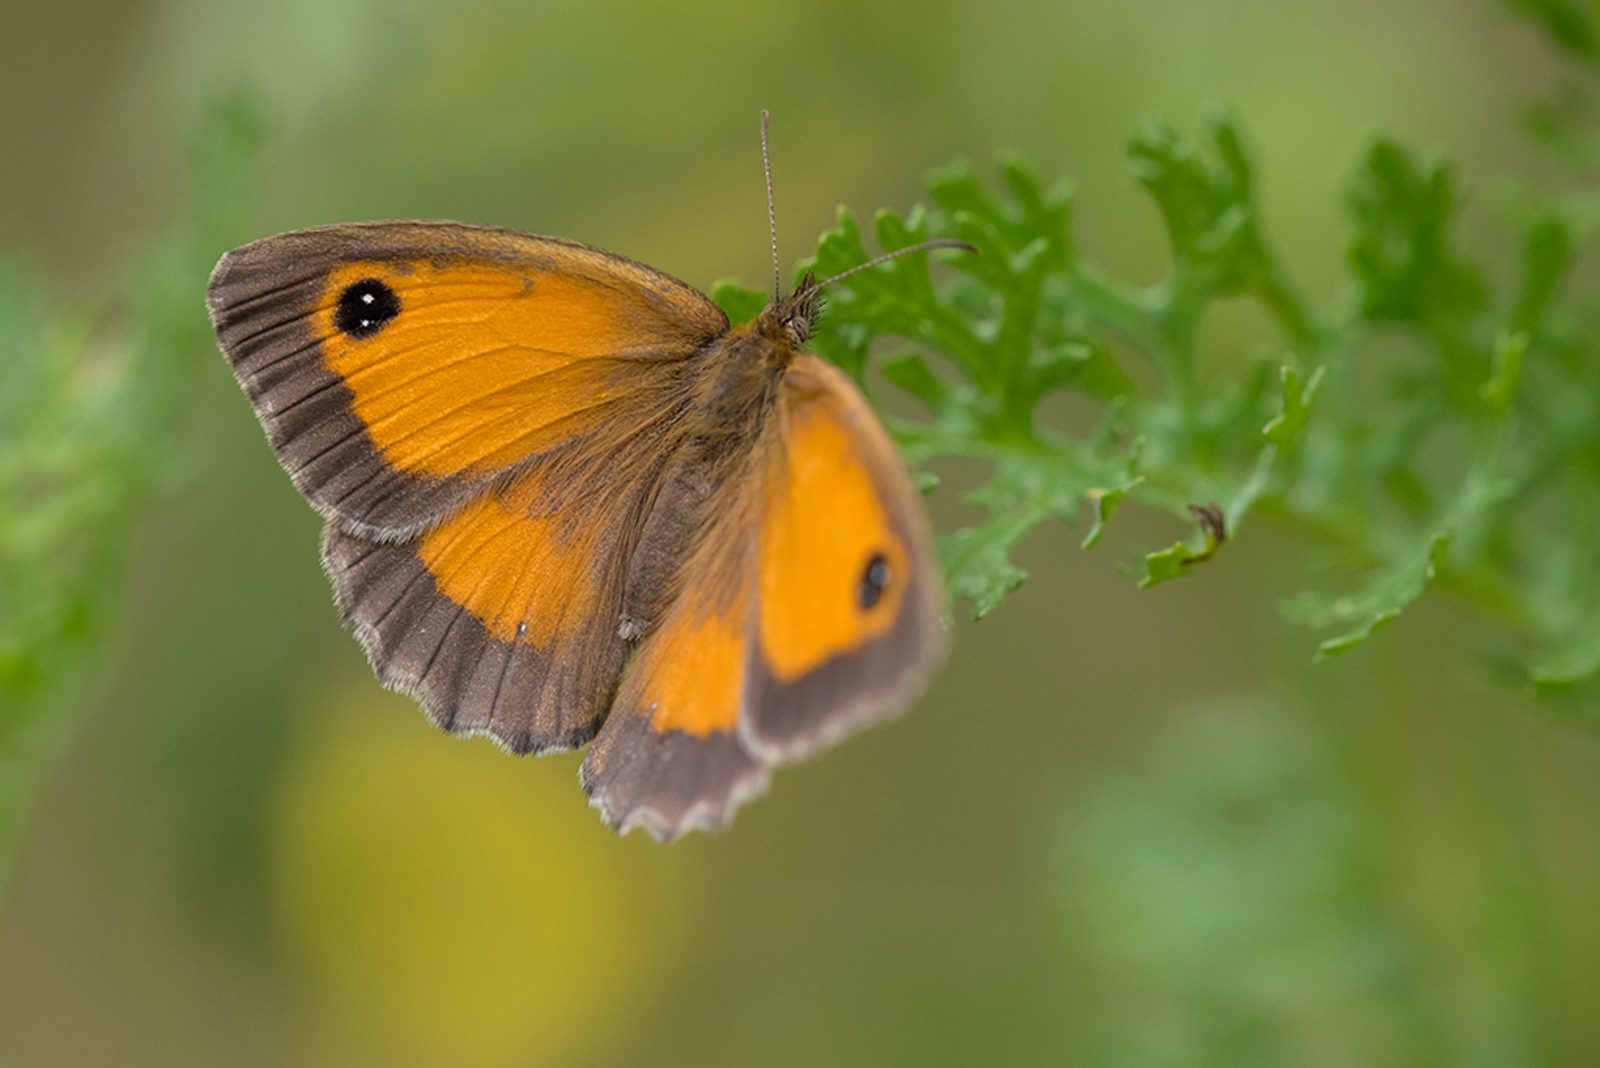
977	562
1483	411
739	304
1177	561
1576	660
1286	426
1401	251
1509	349
1026	490
1166	564
1103	503
1388	590
1547	253
1209	210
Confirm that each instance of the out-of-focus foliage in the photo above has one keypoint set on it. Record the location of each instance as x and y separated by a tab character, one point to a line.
1228	894
88	398
1236	897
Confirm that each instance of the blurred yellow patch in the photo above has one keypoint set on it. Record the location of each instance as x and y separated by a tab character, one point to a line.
455	905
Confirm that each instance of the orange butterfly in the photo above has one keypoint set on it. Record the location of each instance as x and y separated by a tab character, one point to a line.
568	503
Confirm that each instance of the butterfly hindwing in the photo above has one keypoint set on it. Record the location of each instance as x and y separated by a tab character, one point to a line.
669	758
501	619
848	584
810	608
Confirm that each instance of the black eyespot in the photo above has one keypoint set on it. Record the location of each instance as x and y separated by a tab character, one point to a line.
874	580
365	307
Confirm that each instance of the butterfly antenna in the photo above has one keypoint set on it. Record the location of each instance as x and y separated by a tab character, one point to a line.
772	213
772	228
938	242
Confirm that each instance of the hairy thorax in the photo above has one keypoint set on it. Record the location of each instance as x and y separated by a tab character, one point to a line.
718	439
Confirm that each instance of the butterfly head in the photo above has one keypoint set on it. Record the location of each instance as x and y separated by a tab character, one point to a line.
792	320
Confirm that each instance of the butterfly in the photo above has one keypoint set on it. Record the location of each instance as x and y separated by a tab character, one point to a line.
568	503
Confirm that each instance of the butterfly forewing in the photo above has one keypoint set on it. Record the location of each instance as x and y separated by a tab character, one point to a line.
399	368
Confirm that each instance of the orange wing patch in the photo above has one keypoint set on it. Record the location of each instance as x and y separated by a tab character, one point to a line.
482	366
813	588
693	676
690	672
503	617
521	575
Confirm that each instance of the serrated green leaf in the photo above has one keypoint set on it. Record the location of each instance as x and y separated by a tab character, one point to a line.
1387	592
1178	560
1166	564
840	248
1401	250
1103	504
977	562
1026	320
739	304
1285	427
1209	211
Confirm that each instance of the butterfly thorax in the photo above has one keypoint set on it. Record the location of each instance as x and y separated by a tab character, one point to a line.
735	381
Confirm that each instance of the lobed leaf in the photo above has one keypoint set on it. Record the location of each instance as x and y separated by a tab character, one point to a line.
1379	602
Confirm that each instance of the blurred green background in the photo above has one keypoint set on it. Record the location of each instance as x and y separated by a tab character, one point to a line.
1121	828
